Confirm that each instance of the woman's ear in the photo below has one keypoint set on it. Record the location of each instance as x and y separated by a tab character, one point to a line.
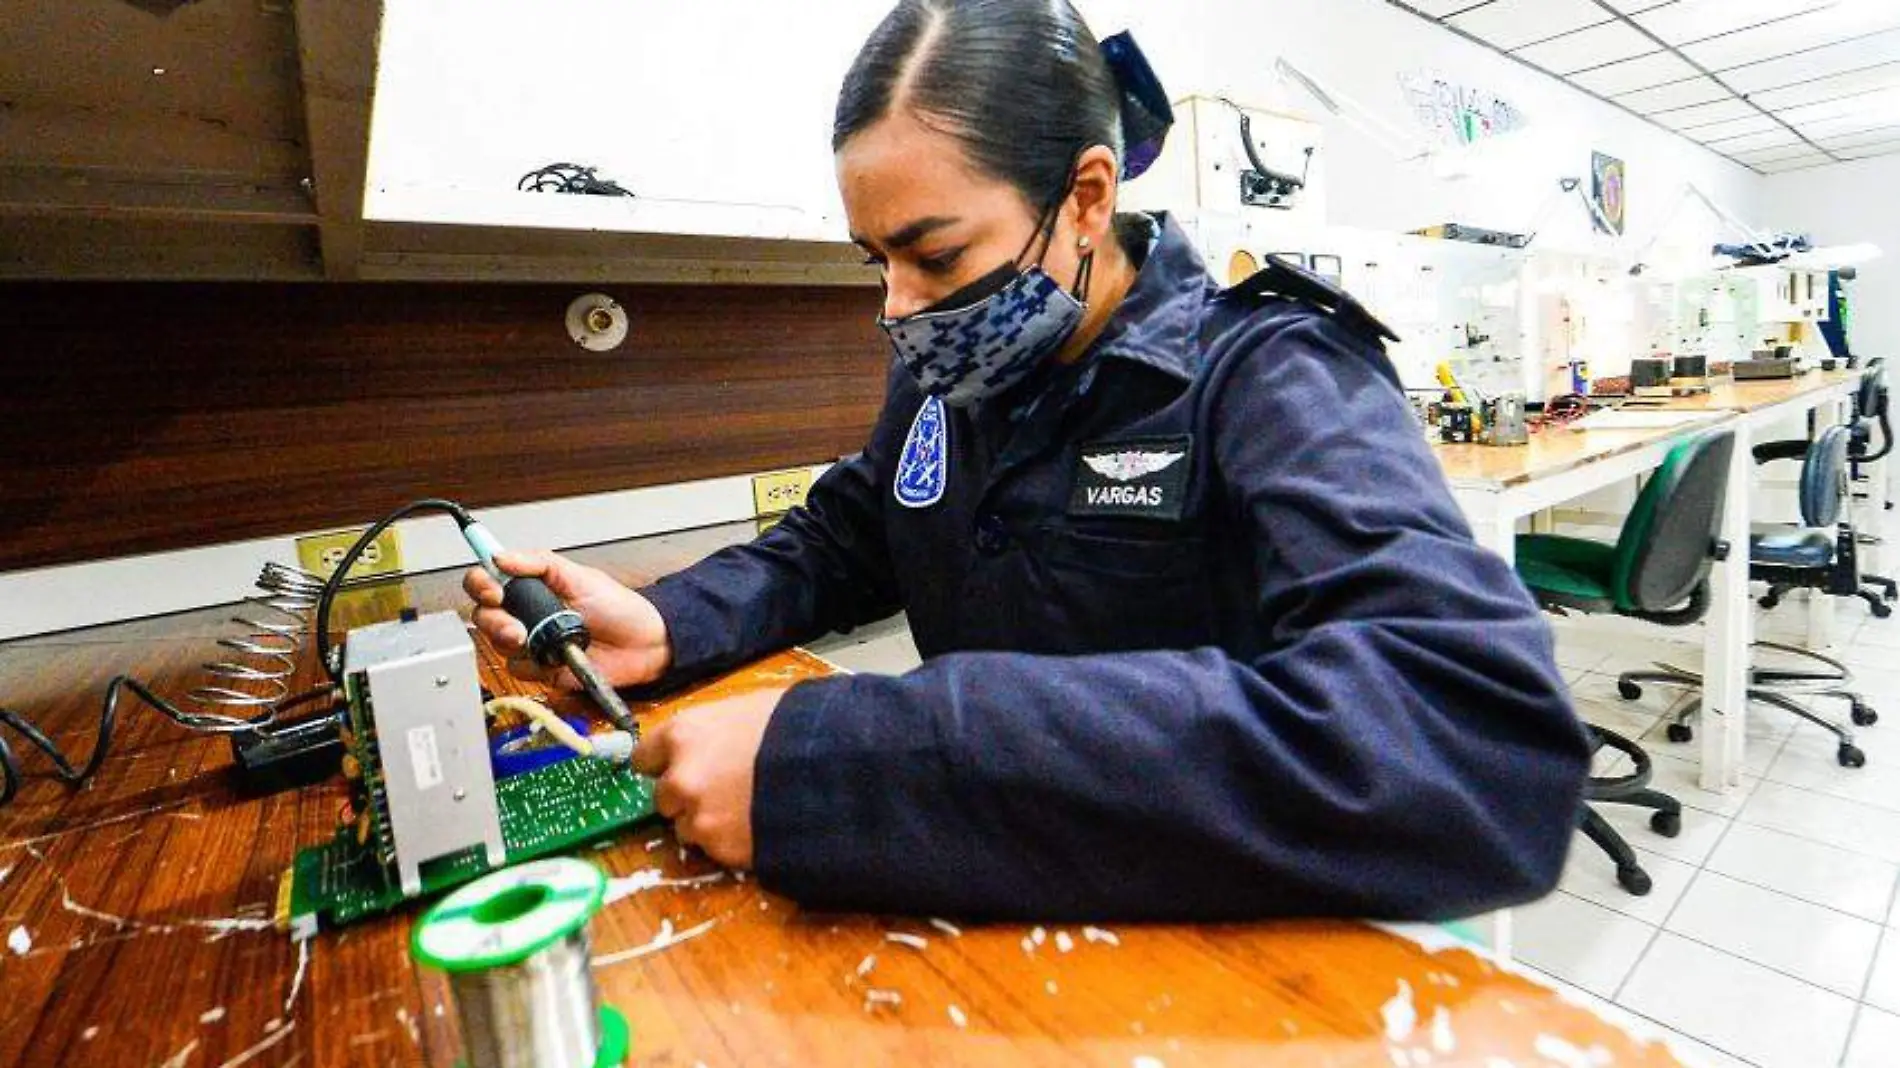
1096	183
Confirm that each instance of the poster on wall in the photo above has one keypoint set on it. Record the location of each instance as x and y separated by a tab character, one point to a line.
1457	114
1607	192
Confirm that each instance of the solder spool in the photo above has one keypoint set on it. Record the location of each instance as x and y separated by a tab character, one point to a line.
515	947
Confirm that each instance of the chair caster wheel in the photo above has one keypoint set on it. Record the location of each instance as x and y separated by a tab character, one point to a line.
1628	690
1633	879
1667	824
1679	732
1881	609
1850	756
1864	715
1768	602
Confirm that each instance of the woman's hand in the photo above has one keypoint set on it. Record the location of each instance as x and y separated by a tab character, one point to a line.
629	637
703	759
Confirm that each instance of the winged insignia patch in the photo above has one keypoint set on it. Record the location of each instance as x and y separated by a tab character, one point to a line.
1128	466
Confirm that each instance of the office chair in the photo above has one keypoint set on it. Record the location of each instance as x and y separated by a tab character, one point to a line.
1870	413
1808	556
1658	570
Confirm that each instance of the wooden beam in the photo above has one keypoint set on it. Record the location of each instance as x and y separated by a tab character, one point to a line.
177	196
336	52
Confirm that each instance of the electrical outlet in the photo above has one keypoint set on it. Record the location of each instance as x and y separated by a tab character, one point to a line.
779	492
319	554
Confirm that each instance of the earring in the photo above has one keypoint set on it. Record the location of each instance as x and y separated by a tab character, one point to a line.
1083	242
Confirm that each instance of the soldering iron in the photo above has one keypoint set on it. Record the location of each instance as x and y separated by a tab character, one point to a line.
557	635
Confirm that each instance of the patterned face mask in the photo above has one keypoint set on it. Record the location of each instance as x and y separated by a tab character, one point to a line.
985	337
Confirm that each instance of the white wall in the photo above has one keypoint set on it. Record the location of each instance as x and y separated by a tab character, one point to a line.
1842	204
731	100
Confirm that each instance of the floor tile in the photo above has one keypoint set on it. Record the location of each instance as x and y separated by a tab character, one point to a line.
1597	701
1678	773
1879	633
1799	867
1876	1041
1812	765
1827	948
1829	820
1753	1012
1700	831
1695	1054
1583	944
1883	985
1589	874
1893	914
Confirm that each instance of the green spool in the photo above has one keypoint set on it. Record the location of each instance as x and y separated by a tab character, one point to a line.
508	916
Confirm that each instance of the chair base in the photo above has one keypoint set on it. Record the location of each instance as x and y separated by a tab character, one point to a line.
1631	789
1826	683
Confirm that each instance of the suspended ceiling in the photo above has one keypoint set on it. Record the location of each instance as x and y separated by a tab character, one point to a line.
1775	85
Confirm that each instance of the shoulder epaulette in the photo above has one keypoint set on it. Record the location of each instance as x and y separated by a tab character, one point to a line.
1285	281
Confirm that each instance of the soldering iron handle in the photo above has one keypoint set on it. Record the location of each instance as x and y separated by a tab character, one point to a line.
550	622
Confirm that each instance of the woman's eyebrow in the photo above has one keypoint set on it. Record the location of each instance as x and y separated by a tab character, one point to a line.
917	231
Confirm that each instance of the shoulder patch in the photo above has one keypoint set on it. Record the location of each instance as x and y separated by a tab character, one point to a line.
1285	281
923	468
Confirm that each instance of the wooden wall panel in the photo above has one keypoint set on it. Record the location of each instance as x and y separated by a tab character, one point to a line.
141	417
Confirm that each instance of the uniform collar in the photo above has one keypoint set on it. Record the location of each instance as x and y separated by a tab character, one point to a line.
1159	321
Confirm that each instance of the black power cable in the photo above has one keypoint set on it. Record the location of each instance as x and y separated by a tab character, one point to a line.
206	722
332	665
570	178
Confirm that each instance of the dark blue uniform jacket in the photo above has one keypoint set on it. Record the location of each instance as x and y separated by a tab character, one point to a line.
1204	635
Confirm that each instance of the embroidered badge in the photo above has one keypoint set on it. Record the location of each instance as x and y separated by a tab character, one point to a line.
923	468
1145	477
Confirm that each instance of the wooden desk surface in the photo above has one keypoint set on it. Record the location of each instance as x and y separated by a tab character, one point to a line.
1560	449
1728	395
1551	451
143	898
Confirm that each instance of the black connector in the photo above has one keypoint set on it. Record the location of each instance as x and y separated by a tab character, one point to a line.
289	756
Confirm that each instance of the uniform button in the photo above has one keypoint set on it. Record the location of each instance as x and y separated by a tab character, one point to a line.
991	536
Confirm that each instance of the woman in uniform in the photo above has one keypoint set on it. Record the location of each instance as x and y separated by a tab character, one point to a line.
1204	634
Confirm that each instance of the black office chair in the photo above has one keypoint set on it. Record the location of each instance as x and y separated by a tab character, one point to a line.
1870	414
1818	555
1658	570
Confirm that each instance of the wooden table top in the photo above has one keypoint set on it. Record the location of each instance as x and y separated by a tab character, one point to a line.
1555	450
1551	451
1728	395
136	909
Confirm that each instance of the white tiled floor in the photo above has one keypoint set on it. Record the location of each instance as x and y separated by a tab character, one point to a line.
1772	934
1771	937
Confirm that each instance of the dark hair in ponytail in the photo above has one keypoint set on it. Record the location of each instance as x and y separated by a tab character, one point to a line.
1020	83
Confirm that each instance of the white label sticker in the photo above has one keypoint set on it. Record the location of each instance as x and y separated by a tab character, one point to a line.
423	757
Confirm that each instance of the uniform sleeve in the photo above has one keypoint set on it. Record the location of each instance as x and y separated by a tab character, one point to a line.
1404	748
823	567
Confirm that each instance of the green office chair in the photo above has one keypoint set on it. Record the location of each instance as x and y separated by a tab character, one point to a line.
1658	570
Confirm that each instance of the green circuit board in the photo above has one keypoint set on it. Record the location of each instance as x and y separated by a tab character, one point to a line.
545	811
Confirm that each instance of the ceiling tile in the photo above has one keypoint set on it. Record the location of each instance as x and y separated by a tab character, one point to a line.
1675	95
1594	47
1438	8
1695	20
1751	123
1720	111
1797	67
1631	7
1844	142
1655	69
1871	149
1879	106
1747	142
1794	163
1844	125
1770	155
1841	22
1884	76
1510	24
